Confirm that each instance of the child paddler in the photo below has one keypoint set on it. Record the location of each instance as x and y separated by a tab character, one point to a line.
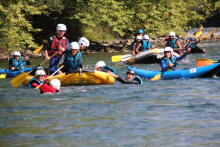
16	60
168	60
56	43
174	43
194	47
132	78
143	45
40	75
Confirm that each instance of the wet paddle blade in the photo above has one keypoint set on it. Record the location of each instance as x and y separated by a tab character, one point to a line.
39	49
208	34
116	58
19	79
156	78
204	62
2	76
200	29
198	34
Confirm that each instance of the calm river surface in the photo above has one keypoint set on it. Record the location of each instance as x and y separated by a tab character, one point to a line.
163	113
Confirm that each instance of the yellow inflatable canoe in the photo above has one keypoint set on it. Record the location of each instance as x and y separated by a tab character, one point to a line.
80	78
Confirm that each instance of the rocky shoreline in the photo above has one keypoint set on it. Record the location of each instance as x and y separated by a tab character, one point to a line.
122	45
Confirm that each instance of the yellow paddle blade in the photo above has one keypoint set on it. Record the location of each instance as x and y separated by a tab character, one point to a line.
2	76
198	34
19	79
37	50
204	62
156	78
208	34
200	29
116	58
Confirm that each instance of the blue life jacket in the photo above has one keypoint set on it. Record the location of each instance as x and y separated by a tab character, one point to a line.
170	60
34	80
15	63
108	68
145	46
137	78
192	45
72	63
172	43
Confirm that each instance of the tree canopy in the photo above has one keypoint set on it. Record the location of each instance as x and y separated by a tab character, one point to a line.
25	23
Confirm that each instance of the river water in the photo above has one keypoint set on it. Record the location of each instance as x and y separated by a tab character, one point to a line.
165	113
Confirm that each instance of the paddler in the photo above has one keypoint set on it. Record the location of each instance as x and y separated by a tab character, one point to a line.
168	60
143	45
40	75
137	40
16	60
194	47
56	43
132	78
101	66
71	59
174	43
83	43
52	87
141	32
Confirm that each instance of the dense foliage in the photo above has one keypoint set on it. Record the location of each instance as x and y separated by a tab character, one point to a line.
27	22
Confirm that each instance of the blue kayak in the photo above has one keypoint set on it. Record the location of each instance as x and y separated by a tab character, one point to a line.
14	73
198	72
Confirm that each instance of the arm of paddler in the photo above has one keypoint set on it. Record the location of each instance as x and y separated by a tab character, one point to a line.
137	47
163	64
184	55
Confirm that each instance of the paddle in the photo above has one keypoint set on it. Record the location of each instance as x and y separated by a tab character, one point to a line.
204	62
36	51
121	58
20	78
157	77
49	77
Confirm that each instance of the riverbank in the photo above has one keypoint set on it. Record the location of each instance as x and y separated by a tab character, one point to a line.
121	45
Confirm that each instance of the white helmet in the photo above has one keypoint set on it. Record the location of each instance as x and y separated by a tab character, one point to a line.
40	73
74	45
100	64
138	37
16	54
168	49
146	37
84	41
55	83
60	27
172	34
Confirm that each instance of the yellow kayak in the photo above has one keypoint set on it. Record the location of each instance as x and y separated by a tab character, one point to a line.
87	77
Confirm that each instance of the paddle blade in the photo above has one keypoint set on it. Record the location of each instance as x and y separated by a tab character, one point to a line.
116	58
208	34
2	76
204	62
200	29
38	86
39	49
198	34
156	78
19	79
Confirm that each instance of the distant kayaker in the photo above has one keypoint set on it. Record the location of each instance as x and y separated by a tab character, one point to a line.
16	60
101	66
194	47
56	43
50	87
174	43
132	78
168	60
137	40
71	59
40	75
141	32
143	45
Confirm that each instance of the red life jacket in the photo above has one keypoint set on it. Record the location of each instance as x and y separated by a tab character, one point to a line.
56	45
45	88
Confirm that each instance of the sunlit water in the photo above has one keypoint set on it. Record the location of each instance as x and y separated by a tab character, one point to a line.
162	113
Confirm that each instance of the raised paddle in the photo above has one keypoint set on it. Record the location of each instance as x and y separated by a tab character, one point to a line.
36	51
20	78
121	58
204	62
49	77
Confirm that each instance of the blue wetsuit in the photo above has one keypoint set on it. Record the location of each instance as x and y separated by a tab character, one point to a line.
164	65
